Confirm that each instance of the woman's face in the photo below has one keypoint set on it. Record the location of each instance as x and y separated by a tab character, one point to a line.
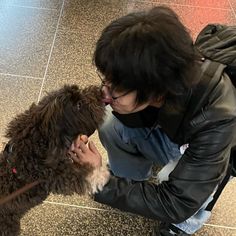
124	102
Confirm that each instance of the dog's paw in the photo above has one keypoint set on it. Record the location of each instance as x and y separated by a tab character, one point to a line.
98	179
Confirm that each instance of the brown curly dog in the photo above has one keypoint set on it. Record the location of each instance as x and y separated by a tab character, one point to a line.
37	153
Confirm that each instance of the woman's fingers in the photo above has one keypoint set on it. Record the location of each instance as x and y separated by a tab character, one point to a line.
84	138
92	147
74	157
80	139
81	152
83	147
72	147
77	141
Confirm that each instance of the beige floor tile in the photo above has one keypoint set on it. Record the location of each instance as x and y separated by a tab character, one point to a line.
233	5
90	14
48	4
224	211
215	231
71	60
75	200
26	36
134	6
16	95
48	220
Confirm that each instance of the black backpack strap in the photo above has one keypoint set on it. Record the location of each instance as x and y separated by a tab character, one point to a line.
210	76
220	189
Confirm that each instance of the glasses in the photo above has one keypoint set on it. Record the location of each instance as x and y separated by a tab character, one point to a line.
109	88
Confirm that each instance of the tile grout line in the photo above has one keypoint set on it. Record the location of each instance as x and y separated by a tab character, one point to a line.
89	208
220	226
185	5
50	54
232	8
30	7
22	76
77	206
105	210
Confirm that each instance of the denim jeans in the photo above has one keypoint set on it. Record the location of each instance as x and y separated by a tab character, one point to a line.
132	154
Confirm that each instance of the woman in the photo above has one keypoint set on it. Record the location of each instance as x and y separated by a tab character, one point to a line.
167	104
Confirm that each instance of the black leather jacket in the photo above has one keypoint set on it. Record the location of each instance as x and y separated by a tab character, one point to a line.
207	121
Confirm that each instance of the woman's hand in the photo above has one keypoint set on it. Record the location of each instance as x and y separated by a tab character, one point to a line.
83	151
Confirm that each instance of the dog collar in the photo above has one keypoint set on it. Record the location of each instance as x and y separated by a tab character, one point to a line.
8	150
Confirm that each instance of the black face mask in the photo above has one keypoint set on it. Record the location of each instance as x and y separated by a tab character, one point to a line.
145	118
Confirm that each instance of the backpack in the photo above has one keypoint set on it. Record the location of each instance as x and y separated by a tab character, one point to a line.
218	43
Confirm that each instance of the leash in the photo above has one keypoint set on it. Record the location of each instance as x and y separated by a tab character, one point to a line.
8	150
19	191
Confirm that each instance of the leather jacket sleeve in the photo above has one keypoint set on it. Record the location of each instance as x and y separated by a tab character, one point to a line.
199	171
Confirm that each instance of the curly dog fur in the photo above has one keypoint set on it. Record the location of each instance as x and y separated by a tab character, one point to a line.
40	138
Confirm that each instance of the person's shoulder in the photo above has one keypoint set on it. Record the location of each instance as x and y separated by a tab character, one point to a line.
222	100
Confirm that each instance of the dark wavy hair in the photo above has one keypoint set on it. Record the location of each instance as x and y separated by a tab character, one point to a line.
150	52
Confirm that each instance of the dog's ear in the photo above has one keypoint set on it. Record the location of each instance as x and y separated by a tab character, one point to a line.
49	114
57	109
52	106
49	126
57	119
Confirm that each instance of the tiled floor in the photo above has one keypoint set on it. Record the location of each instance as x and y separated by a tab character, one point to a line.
46	43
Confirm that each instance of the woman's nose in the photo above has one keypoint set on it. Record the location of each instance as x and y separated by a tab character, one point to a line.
106	95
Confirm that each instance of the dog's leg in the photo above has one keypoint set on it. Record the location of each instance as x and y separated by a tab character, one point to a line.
97	179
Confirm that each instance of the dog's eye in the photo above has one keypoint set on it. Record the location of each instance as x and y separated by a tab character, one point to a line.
79	104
